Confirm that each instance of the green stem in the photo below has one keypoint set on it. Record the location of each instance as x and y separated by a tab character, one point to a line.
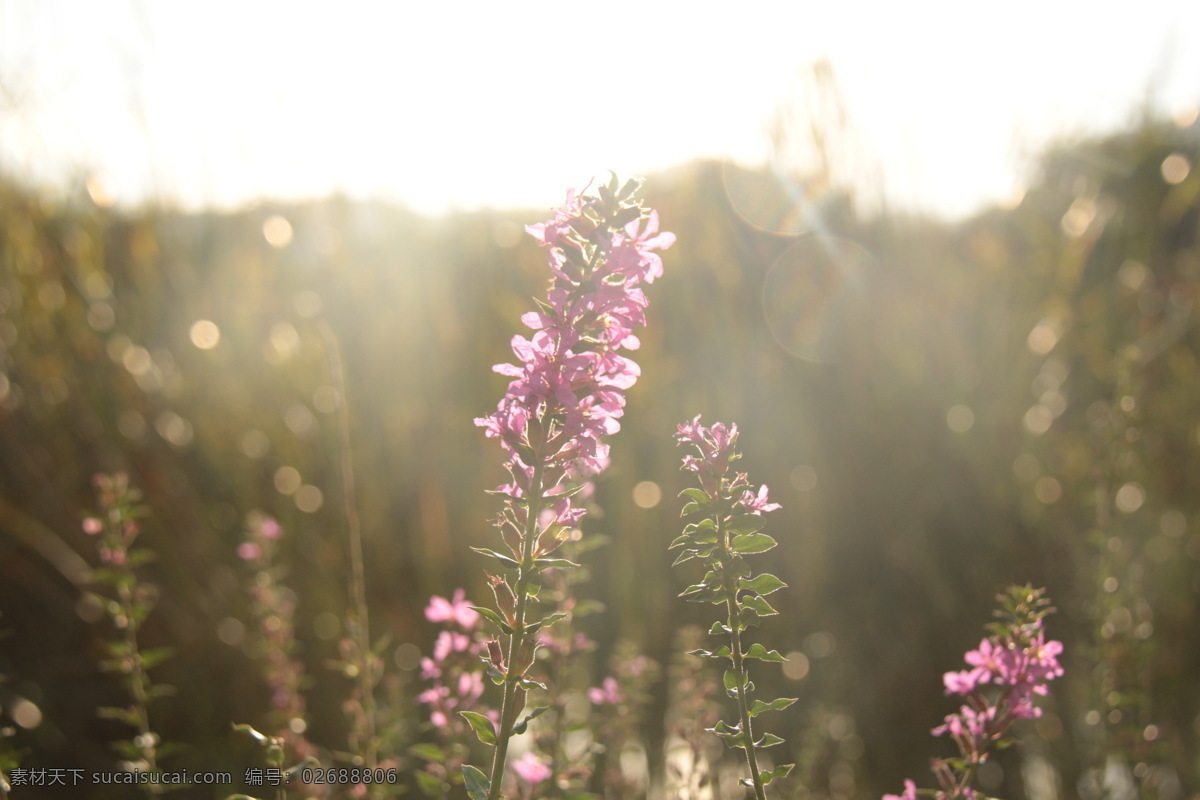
138	681
508	705
739	663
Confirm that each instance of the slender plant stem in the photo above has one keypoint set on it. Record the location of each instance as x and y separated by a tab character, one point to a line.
508	705
358	580
137	684
739	663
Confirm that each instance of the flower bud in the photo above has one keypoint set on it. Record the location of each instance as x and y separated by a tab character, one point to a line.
496	655
526	653
506	601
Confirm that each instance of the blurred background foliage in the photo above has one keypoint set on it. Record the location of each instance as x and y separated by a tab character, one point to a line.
942	408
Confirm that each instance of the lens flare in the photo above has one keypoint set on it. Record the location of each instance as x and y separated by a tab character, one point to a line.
812	295
769	201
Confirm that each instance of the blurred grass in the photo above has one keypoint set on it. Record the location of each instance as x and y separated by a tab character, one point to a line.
840	352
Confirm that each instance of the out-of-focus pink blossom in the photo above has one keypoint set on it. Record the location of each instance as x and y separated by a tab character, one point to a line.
608	693
457	610
531	769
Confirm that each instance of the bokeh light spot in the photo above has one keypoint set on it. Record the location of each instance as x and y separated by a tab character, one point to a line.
1130	497
1044	337
1173	523
804	478
307	304
1026	467
647	494
25	713
796	667
254	444
205	334
282	343
1175	168
407	656
174	428
1038	419
287	480
277	231
820	644
1047	490
327	625
309	499
960	418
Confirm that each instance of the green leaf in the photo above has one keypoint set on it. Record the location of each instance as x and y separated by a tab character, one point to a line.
747	523
543	563
509	560
431	785
719	628
680	541
721	652
126	715
494	618
261	738
782	771
427	751
528	684
775	705
482	726
686	555
699	495
550	620
478	785
757	604
691	507
752	543
768	740
758	651
762	584
520	727
154	657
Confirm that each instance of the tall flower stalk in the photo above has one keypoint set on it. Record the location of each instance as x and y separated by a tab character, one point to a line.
127	601
567	393
729	527
1009	669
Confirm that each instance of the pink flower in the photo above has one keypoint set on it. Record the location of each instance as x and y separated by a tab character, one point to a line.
457	610
531	769
248	551
757	504
608	693
568	385
909	793
92	526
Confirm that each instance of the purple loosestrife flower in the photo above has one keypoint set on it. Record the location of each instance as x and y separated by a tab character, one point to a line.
566	394
568	386
1009	668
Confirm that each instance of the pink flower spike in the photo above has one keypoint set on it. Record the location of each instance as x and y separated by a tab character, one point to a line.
530	769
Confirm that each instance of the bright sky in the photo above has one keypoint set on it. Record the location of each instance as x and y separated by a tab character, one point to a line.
468	104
